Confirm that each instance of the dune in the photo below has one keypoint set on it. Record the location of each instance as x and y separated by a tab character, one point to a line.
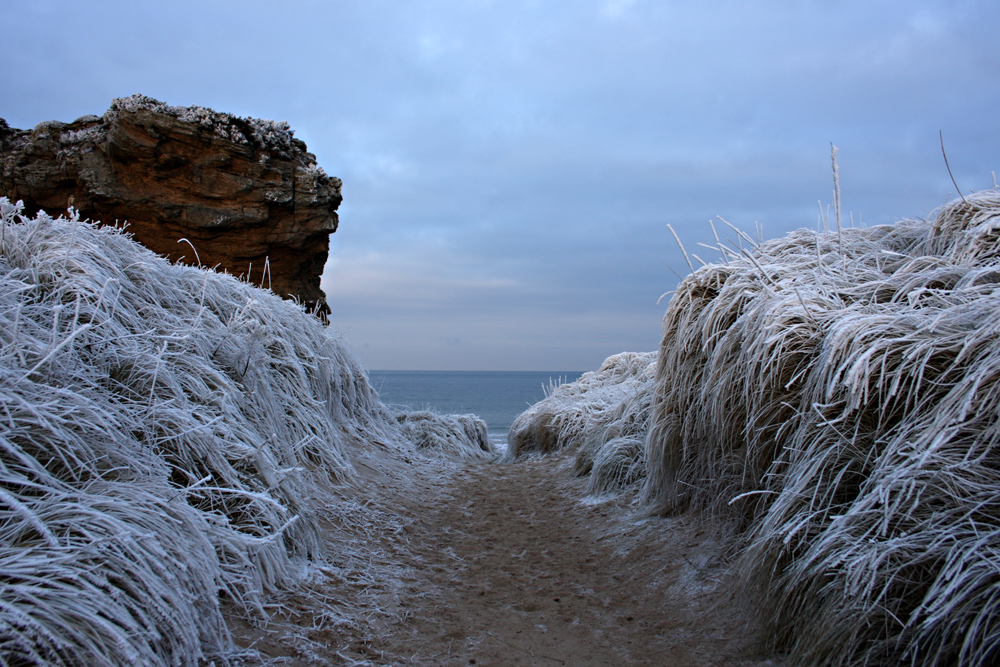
839	395
832	399
169	439
603	416
178	446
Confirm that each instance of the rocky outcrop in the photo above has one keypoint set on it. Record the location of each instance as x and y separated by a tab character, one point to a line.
244	192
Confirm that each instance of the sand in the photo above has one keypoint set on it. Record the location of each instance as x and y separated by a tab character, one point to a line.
509	564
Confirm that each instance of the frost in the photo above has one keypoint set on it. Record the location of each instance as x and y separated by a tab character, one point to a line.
261	134
837	394
603	415
167	435
314	169
81	136
465	436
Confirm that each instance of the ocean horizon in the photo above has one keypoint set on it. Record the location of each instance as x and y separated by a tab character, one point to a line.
496	397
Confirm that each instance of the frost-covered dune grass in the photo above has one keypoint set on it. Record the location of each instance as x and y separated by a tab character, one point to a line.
838	394
166	437
603	415
462	436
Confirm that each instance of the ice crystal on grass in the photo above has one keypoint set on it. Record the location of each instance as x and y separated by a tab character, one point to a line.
603	415
839	395
465	436
167	435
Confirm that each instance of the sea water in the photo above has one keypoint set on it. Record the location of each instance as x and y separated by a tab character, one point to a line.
497	397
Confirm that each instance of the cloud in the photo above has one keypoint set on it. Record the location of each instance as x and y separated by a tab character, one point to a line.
510	168
616	8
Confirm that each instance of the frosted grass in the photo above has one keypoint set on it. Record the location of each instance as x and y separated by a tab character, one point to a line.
167	439
603	415
450	436
837	394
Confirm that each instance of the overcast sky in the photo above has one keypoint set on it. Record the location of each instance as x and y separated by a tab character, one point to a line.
510	168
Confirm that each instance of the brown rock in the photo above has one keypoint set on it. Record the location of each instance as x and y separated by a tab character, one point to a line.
243	191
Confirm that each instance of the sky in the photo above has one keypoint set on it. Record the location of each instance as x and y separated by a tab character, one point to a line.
510	168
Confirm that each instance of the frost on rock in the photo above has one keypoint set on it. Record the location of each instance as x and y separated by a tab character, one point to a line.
243	191
837	396
603	415
272	136
82	136
465	436
168	435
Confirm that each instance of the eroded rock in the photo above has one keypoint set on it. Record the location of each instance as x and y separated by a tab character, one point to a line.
245	192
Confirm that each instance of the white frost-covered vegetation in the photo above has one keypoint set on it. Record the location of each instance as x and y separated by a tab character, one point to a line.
837	395
167	435
464	436
269	135
603	415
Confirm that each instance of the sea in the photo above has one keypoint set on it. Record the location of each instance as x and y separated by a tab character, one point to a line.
497	397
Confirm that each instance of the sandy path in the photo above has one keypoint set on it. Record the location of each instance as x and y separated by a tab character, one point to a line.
503	564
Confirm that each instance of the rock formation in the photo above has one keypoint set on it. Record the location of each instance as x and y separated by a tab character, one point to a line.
244	192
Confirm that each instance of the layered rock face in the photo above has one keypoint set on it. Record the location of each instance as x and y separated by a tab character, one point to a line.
244	192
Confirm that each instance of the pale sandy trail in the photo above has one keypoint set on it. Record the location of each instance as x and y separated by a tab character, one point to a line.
503	564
